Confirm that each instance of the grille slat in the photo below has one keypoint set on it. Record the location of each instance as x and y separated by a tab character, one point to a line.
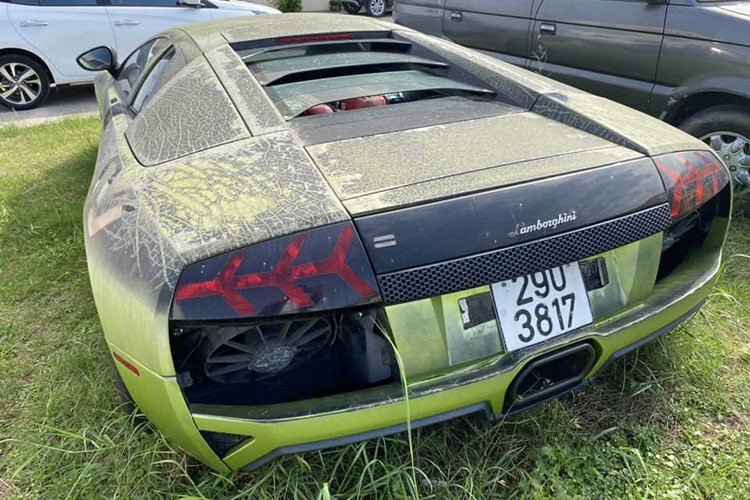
510	262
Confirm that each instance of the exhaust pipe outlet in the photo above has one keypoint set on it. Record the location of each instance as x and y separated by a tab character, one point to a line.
549	376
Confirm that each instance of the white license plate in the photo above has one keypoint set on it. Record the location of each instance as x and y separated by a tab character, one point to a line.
540	306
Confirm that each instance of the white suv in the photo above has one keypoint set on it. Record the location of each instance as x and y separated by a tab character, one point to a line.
41	39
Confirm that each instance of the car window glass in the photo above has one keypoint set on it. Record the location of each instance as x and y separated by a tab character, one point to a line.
160	73
133	67
68	3
25	2
143	3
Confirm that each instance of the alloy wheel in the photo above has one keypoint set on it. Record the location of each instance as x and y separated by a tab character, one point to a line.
377	7
734	151
19	84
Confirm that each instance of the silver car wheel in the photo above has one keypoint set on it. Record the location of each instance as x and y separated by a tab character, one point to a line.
19	84
377	7
734	150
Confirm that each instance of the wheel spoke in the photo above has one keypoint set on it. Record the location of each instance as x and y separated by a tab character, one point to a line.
26	75
30	93
8	93
716	142
4	73
737	145
12	68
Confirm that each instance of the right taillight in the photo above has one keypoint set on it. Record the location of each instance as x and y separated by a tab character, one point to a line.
698	190
691	178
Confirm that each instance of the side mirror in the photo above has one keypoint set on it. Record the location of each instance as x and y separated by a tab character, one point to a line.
191	3
98	59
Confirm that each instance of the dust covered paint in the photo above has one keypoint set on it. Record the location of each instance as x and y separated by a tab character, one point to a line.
366	165
219	171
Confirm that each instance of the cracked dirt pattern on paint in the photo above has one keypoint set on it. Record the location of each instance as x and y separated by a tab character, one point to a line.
364	165
298	25
448	187
192	112
207	204
256	109
595	115
616	123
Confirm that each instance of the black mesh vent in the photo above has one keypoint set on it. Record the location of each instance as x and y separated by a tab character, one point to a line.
506	263
221	442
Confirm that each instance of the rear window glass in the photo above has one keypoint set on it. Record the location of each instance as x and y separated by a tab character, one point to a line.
326	76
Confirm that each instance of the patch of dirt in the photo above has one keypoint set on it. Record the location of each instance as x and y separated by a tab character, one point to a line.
8	487
731	424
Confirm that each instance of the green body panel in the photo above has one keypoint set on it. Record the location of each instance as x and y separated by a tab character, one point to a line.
143	225
486	178
161	400
193	103
256	109
172	187
672	298
443	155
431	337
596	115
238	30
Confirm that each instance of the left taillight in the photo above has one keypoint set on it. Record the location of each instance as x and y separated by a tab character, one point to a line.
691	178
318	270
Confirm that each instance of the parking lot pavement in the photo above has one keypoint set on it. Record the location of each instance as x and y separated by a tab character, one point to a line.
77	100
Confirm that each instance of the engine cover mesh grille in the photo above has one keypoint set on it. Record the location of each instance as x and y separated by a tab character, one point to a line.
510	262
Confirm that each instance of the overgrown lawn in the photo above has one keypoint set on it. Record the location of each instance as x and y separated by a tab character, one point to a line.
671	420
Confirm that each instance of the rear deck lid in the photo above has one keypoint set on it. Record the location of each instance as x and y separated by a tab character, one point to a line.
401	168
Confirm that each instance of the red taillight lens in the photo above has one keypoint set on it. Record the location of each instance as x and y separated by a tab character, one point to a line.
322	269
691	178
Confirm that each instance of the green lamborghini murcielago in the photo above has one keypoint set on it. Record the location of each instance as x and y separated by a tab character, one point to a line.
298	220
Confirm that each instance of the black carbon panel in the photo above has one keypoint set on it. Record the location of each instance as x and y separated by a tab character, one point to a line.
510	262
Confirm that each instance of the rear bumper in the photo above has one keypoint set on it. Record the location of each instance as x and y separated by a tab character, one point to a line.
482	409
480	388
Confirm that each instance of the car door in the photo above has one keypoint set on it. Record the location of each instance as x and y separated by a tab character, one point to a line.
421	15
134	21
607	47
61	30
501	27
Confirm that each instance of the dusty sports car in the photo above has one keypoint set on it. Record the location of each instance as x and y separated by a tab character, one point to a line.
293	220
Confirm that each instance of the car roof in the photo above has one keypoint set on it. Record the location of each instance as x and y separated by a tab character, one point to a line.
235	31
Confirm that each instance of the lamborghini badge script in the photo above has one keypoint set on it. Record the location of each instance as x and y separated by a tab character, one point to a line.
523	228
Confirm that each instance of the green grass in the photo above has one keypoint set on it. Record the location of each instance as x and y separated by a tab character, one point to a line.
669	421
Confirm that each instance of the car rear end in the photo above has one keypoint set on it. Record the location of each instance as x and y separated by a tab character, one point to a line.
495	257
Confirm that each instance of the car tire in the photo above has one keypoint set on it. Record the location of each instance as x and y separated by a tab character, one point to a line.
727	130
351	9
24	82
375	8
